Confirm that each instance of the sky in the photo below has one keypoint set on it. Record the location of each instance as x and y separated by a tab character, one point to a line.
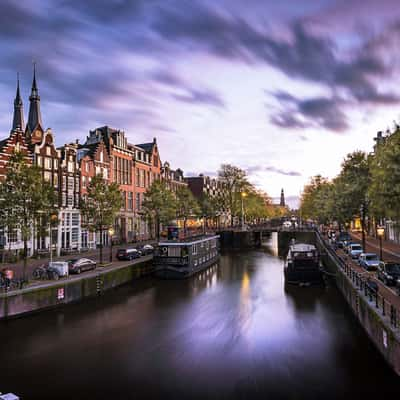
283	89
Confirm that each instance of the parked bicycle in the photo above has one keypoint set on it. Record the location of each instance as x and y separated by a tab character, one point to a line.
44	272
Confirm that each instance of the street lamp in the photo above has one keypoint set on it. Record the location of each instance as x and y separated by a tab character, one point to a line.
243	195
380	231
111	234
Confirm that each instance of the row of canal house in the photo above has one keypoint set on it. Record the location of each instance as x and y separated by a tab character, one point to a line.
70	169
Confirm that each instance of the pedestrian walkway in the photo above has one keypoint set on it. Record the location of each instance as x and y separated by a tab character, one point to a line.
390	250
92	254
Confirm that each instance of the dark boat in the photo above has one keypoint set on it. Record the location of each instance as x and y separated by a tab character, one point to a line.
180	259
302	265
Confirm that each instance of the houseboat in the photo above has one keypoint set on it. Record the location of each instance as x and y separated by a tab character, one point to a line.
176	259
302	266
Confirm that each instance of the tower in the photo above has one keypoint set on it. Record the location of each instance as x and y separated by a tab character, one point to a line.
282	202
34	127
18	119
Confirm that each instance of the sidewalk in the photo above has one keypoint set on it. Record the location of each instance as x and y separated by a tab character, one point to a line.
93	254
390	250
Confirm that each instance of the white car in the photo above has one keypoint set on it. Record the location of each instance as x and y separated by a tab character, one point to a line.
355	250
60	266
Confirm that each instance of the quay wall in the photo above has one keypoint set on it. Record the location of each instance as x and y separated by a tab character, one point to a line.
73	289
376	316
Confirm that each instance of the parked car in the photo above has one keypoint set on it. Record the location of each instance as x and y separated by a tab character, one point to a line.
79	265
61	267
342	238
389	272
369	261
128	254
147	249
355	250
347	246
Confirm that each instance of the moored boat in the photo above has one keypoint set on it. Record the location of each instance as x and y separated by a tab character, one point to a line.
302	265
181	259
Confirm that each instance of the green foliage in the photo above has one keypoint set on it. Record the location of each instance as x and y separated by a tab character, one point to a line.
235	182
384	191
100	206
186	205
23	196
159	205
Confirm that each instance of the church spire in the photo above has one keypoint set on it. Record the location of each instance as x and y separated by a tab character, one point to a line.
18	120
35	117
282	203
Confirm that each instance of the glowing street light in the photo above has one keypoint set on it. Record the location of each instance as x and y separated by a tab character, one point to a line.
111	234
381	232
243	195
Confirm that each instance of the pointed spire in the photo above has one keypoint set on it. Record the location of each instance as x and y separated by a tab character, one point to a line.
18	120
282	203
35	116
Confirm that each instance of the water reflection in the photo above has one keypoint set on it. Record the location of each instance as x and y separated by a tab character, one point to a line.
233	331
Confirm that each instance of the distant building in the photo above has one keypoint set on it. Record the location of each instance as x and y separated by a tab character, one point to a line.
282	202
173	179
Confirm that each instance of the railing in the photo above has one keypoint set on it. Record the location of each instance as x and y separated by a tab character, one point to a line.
361	283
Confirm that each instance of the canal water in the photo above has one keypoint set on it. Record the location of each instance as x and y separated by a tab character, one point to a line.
231	332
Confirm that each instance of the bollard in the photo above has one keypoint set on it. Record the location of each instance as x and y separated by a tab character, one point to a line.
392	316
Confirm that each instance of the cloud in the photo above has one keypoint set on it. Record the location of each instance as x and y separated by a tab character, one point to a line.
303	55
257	168
319	112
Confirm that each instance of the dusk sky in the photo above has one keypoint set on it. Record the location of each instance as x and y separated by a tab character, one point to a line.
284	89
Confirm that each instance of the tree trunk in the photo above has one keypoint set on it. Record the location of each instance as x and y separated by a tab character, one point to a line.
101	246
25	259
184	227
363	229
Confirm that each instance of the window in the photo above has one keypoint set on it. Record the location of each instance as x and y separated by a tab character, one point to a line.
130	201
105	173
87	166
194	249
137	178
55	180
47	163
55	163
137	201
39	161
12	236
174	251
47	176
101	157
75	219
70	200
70	184
70	166
48	150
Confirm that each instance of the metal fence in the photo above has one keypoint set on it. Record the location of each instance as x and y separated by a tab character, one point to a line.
362	283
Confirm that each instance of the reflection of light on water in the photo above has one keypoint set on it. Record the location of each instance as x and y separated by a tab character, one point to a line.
274	243
245	303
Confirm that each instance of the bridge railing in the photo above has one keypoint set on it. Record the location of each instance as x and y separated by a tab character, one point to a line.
363	284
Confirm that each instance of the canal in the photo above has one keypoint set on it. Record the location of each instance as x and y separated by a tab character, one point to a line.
232	332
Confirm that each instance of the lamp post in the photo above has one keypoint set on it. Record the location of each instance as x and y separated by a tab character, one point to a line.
380	231
243	195
111	234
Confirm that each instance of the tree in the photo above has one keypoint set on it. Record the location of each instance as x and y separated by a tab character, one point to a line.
208	208
100	206
235	182
316	200
351	199
159	206
23	194
384	190
186	205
